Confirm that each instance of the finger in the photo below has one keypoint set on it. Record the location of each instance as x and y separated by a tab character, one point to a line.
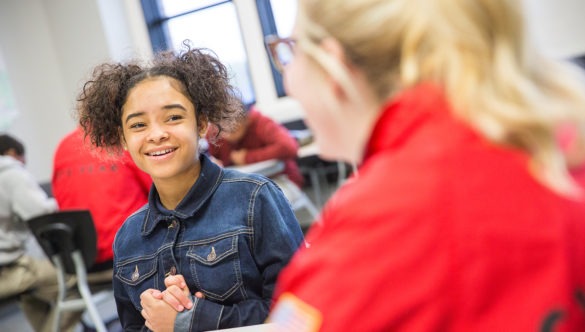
176	290
144	295
156	294
148	325
144	314
171	280
177	280
199	295
172	301
182	282
177	298
149	293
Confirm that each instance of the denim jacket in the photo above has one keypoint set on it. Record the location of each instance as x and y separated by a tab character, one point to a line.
229	237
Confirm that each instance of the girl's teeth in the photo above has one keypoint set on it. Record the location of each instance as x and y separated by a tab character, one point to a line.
160	153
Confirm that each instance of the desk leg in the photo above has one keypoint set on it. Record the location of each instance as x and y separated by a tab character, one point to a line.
341	173
315	183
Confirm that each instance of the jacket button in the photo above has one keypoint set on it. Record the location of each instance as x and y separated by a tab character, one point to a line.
212	255
135	274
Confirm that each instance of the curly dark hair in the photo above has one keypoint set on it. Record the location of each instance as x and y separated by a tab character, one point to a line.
205	83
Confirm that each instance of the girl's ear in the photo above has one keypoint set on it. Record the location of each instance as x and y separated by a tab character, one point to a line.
123	140
334	48
202	127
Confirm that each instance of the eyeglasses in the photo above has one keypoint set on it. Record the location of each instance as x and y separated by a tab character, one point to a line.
281	51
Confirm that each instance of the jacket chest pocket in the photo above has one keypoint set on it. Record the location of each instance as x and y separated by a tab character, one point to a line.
216	267
137	276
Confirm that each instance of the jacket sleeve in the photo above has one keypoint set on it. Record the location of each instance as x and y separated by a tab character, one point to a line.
274	220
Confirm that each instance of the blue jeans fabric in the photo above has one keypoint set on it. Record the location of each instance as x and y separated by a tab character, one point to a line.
229	237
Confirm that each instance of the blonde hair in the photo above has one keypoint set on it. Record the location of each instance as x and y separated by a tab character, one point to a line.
475	49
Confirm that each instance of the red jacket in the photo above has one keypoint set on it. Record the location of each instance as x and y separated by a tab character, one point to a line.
112	188
440	231
264	139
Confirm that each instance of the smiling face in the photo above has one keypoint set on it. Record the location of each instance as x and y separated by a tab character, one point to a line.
160	130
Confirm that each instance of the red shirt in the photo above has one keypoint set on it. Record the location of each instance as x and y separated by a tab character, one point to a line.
264	139
111	188
440	231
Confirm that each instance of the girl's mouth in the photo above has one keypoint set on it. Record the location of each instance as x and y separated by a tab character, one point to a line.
160	153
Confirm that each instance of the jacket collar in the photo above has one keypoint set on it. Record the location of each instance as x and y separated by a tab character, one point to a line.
208	181
402	114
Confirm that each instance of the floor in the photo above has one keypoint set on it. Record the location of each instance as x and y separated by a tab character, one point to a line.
12	319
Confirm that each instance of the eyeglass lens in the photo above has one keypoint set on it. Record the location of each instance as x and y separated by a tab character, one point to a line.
284	53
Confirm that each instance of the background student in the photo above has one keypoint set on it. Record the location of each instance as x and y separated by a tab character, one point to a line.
228	234
256	138
110	187
463	216
34	278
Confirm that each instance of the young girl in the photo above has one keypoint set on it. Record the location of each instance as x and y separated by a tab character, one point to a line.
226	233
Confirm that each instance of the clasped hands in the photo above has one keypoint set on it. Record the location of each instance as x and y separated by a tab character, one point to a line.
159	309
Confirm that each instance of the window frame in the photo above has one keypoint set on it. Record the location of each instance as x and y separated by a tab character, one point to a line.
268	24
160	38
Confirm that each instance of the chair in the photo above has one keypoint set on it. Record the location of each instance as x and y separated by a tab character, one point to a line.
312	165
69	239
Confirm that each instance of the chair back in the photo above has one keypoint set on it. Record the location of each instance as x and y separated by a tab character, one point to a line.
61	233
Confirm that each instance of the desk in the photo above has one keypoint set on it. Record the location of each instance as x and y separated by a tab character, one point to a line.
267	168
311	149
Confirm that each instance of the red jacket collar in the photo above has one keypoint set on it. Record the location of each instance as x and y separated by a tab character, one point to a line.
401	114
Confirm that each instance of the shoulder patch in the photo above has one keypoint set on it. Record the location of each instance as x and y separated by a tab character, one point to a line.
291	314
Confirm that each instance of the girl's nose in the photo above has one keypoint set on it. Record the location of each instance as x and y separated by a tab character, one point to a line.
157	134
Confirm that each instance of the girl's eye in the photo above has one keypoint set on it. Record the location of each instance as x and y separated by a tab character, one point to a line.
137	125
175	117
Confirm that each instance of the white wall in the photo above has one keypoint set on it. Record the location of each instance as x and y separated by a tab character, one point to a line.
557	26
34	67
49	46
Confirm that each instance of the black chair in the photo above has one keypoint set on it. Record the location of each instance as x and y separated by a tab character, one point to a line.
69	239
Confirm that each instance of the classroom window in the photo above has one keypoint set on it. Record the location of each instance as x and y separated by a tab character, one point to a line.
284	12
211	24
214	24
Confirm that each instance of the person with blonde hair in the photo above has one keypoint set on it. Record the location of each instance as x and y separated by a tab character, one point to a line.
462	215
